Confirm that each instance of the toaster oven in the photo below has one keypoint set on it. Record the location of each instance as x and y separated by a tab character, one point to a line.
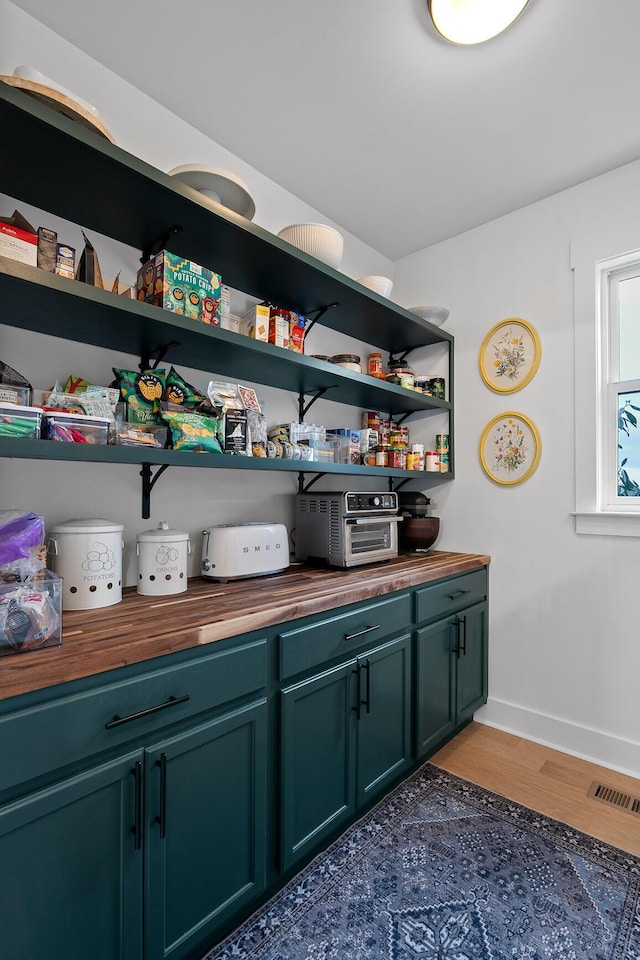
346	529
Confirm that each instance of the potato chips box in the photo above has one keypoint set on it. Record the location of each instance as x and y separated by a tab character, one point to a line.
182	286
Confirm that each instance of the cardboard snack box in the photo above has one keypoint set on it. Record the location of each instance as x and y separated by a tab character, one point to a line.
182	286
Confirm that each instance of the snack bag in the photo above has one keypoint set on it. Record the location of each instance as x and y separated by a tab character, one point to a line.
142	392
194	431
178	391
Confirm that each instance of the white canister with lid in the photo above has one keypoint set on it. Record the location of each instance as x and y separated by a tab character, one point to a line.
162	561
87	554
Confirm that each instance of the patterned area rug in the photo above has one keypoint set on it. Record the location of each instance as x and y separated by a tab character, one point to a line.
444	870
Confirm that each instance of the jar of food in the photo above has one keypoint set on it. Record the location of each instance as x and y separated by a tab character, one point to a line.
375	365
349	361
382	456
398	459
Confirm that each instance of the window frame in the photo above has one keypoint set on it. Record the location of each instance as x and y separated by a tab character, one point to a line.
596	511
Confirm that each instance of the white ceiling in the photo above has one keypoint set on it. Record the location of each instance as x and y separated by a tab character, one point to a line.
358	107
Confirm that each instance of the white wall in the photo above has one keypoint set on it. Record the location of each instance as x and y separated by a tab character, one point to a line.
564	650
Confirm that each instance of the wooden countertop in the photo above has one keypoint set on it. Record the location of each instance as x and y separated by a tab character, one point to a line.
140	628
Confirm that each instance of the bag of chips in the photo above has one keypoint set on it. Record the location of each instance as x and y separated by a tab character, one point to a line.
194	431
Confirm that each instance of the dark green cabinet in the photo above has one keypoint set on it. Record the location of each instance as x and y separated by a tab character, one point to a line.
72	866
345	735
451	674
205	830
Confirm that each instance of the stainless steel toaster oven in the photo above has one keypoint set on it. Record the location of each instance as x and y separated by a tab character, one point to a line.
346	529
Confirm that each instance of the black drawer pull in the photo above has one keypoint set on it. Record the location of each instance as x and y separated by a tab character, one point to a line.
361	633
458	593
171	702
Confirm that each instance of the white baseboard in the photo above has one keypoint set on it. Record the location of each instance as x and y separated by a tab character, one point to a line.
606	750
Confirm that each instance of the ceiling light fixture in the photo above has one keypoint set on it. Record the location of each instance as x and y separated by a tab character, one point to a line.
473	21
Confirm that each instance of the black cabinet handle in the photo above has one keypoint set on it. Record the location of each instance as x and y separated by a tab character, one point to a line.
162	816
463	641
367	695
361	633
358	701
137	827
458	593
171	702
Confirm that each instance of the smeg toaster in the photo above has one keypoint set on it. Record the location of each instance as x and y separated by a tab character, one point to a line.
231	551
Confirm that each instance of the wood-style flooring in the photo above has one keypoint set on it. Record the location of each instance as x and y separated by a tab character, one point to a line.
545	780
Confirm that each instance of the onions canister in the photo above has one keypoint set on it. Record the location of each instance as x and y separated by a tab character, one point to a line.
87	554
162	561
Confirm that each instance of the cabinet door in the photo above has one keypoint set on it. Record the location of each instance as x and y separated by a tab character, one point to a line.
318	759
435	684
384	731
72	863
206	829
471	664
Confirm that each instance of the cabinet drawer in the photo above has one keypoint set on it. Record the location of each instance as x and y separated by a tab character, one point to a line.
446	596
335	636
38	740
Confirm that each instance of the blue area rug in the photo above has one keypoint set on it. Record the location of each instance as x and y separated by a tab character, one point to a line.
444	870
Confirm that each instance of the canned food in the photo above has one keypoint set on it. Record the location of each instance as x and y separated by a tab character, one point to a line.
371	420
444	462
432	461
382	457
437	387
398	459
442	442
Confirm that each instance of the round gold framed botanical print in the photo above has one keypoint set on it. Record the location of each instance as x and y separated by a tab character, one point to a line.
509	355
510	448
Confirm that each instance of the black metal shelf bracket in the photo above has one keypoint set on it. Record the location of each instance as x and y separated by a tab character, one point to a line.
304	488
401	356
319	312
163	242
303	408
148	483
158	354
398	486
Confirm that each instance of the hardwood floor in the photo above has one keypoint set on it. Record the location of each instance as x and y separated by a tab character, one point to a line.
543	779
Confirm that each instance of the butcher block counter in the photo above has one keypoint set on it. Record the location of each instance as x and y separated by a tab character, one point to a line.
140	628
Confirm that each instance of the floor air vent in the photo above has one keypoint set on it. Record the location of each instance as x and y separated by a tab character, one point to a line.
615	798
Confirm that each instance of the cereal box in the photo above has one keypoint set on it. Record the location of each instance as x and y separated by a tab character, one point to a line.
182	286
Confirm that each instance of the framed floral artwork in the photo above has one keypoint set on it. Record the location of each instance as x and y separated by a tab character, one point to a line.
510	448
509	355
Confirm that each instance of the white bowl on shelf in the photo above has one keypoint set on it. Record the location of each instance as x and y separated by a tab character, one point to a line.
317	239
381	285
434	315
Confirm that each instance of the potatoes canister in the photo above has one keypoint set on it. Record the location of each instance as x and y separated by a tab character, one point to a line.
162	561
87	554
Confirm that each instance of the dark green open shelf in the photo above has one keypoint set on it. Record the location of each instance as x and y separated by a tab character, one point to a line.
105	453
37	300
104	188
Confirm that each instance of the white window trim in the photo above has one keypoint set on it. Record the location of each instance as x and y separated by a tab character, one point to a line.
589	262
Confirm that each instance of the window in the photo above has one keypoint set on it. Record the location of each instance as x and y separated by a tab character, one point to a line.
607	368
620	384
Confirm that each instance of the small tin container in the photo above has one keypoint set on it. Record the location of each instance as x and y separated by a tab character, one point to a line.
162	561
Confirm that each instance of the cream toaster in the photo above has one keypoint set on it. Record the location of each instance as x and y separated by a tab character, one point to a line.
234	550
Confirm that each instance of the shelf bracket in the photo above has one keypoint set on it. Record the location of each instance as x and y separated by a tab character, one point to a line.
401	418
302	487
400	357
303	408
159	353
319	312
148	483
399	485
163	242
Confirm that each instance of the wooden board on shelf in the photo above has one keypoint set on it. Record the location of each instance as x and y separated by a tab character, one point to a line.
60	103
